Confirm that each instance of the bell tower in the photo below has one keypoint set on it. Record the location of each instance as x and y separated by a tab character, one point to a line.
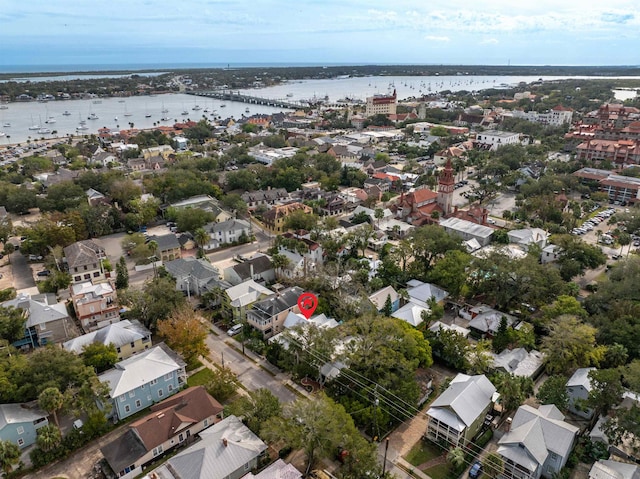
446	185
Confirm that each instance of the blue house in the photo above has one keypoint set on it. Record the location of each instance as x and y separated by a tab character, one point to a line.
144	379
20	423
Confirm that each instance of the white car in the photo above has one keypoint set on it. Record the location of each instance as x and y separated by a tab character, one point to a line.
235	329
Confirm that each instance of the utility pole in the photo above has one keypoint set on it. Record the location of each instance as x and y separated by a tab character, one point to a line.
384	463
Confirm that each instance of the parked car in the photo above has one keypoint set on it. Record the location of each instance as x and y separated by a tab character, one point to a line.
44	272
476	470
235	329
34	257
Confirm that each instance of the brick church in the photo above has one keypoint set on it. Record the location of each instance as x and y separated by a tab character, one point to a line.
423	206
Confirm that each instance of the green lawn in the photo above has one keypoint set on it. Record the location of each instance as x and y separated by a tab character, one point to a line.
200	378
422	452
441	471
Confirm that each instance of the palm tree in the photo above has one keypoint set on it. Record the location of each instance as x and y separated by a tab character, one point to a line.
201	238
280	262
9	455
455	457
51	400
48	437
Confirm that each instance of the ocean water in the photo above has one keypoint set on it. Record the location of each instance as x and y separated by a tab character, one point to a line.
111	111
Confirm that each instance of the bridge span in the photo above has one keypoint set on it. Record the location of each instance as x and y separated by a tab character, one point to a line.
230	95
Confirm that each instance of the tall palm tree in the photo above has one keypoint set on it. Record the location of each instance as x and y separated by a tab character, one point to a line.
51	400
201	237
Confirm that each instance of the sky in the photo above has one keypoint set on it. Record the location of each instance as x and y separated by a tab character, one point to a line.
472	32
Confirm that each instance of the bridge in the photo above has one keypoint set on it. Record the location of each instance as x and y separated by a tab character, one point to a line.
230	95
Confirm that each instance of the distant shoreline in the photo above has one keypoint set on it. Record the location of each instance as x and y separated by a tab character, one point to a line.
25	71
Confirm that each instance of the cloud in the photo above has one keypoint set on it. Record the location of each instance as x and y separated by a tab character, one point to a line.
489	41
435	38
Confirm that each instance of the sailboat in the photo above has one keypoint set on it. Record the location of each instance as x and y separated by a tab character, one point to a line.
126	112
33	126
66	113
164	110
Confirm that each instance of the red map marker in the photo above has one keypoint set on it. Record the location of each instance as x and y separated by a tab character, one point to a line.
307	302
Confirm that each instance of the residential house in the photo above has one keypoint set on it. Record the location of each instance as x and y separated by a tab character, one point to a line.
610	469
164	151
84	261
102	158
527	237
468	230
136	164
421	293
335	205
438	326
267	197
578	389
379	298
227	450
47	320
141	380
267	316
19	423
304	254
227	232
258	268
172	423
457	415
495	139
168	246
275	219
94	197
550	254
519	362
128	337
238	299
282	470
193	275
96	305
538	443
411	313
485	320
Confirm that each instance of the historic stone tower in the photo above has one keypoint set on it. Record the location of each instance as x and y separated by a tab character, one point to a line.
446	185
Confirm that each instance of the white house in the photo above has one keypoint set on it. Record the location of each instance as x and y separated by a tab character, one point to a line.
496	139
227	232
538	443
227	450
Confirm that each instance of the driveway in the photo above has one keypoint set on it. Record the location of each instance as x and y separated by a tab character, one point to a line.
80	464
251	369
22	274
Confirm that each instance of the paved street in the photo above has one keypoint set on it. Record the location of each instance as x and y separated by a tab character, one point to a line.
247	368
22	274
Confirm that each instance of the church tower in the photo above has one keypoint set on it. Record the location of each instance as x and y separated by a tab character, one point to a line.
446	185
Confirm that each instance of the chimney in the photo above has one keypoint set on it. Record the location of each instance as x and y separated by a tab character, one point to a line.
251	269
224	441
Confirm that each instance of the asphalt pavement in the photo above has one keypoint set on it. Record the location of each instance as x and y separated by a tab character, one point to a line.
22	274
251	369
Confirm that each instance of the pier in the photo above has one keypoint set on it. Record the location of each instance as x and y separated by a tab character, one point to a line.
230	95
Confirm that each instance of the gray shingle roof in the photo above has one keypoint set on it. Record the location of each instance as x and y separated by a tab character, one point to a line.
18	413
118	334
82	253
166	242
200	268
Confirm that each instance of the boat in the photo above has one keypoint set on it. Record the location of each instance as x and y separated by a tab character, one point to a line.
4	107
223	106
289	95
164	110
164	118
50	120
115	119
93	116
247	110
196	108
120	101
2	133
34	127
97	102
44	131
185	112
81	128
148	115
6	125
66	113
